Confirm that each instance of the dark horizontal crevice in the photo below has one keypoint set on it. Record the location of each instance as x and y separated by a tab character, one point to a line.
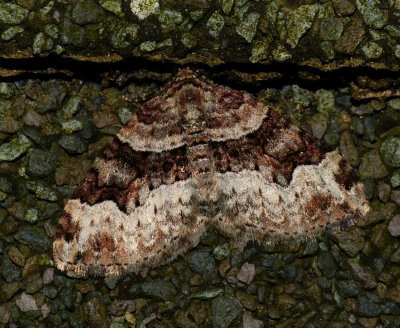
135	69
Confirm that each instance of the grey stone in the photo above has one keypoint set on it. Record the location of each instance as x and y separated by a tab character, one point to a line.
390	151
6	185
26	303
73	144
8	290
111	281
226	311
50	291
351	37
4	315
344	7
202	262
9	271
96	313
40	163
368	305
48	95
10	125
394	226
48	276
372	165
164	290
348	288
351	241
86	12
119	308
326	264
363	275
34	237
33	283
395	258
208	294
246	273
250	322
384	191
331	28
71	33
348	149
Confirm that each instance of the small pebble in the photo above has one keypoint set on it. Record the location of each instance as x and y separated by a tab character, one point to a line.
394	226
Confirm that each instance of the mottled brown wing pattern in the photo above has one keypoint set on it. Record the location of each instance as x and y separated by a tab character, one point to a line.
201	156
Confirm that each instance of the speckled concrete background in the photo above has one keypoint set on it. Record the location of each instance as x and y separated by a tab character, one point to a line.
57	115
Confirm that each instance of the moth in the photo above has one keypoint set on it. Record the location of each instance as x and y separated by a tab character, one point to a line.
201	156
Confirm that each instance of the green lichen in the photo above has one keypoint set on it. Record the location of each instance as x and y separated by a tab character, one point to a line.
196	15
248	27
71	126
147	46
124	115
298	22
372	15
51	30
394	103
280	53
301	96
3	196
123	36
390	151
113	6
372	50
226	6
6	90
394	31
31	215
328	49
170	18
41	43
325	101
71	106
46	9
11	32
260	50
12	14
15	148
144	8
41	190
215	24
189	40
